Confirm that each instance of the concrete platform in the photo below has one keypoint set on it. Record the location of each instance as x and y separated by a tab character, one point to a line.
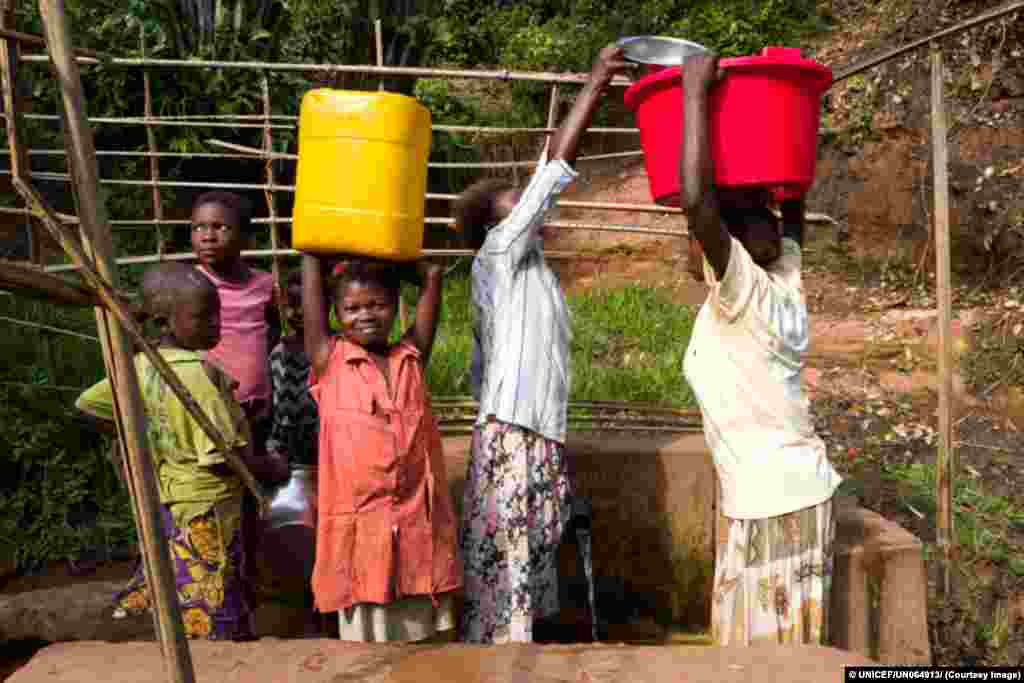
326	661
654	518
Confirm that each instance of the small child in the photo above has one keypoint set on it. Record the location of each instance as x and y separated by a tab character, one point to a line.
294	431
201	497
221	222
294	423
385	554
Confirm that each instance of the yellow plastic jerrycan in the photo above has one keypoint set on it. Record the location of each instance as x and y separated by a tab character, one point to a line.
362	174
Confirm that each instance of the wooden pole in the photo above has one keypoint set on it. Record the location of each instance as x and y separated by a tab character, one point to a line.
131	419
12	112
945	464
379	35
268	194
154	161
36	284
552	115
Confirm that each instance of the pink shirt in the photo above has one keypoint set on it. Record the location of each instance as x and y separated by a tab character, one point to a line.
242	350
386	527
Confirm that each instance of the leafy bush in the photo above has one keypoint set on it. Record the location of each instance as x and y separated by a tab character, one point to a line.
59	496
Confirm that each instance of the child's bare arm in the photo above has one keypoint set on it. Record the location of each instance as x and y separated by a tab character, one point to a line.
314	311
565	141
421	333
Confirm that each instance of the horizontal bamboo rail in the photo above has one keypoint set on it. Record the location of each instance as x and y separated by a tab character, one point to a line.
48	328
45	387
437	128
270	253
254	153
262	156
34	283
402	71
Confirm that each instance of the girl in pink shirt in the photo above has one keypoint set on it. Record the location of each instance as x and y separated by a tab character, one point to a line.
385	553
250	327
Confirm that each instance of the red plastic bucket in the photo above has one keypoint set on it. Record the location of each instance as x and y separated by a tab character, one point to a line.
763	123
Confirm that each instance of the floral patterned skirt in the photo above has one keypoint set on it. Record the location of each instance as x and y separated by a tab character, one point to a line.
207	558
515	510
772	578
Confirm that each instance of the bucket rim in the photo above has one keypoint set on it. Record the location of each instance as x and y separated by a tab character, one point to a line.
823	79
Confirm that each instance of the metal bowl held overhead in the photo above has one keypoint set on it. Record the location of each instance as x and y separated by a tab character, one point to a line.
659	50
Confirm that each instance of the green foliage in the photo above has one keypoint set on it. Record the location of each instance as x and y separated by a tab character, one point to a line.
743	27
59	497
986	525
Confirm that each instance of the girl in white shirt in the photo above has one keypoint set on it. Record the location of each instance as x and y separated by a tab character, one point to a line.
774	557
516	502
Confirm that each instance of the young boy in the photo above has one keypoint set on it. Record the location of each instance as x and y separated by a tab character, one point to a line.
200	495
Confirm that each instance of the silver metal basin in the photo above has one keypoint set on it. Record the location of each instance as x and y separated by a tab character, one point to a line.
294	503
659	50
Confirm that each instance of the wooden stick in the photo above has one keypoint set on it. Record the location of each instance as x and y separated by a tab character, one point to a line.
267	253
39	41
259	153
38	284
131	419
552	114
48	328
945	467
12	112
154	161
268	195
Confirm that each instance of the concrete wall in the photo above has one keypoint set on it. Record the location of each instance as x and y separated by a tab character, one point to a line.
653	517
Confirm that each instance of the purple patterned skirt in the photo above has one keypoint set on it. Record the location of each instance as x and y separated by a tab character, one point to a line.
207	558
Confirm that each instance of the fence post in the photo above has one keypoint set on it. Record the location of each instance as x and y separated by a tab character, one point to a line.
98	244
154	160
268	193
9	55
945	464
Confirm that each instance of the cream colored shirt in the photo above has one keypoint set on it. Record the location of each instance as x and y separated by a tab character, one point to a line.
744	363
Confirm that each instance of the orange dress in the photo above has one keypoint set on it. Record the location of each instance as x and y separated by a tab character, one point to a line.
386	527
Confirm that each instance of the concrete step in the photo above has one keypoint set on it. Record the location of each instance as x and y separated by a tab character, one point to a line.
322	661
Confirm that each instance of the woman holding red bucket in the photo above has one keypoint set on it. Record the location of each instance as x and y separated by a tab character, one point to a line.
774	558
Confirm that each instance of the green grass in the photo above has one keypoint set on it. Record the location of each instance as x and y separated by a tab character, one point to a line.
983	523
628	345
